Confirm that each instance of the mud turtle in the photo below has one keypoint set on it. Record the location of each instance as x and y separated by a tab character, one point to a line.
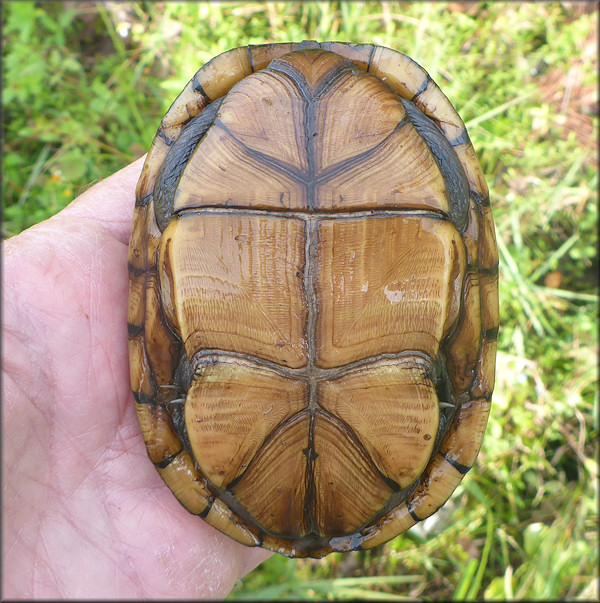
313	307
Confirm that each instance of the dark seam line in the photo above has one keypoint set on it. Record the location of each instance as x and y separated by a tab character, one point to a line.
165	462
479	198
486	397
462	469
491	334
230	487
370	58
135	271
142	398
197	87
413	514
206	510
207	357
311	457
272	71
144	201
302	85
316	214
423	87
133	330
445	172
489	271
334	170
162	135
250	58
389	482
462	138
309	126
264	158
328	83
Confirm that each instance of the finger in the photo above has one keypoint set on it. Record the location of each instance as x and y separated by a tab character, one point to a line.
251	559
110	202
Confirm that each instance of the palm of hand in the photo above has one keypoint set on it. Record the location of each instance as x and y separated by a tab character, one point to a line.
85	512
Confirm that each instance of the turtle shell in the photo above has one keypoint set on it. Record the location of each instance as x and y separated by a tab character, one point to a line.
313	307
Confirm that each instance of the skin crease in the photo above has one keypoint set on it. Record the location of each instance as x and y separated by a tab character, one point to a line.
85	513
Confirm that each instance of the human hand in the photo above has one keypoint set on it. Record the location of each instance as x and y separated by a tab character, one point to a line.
85	511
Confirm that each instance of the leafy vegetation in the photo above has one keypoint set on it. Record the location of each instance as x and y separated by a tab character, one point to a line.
85	86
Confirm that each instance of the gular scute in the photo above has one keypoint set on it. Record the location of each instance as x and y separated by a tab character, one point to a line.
271	99
313	305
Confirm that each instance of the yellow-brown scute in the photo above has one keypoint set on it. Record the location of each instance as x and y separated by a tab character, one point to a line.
297	471
312	263
231	408
263	152
384	287
235	284
296	407
393	409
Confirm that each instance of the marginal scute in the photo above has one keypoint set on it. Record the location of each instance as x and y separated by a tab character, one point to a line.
434	103
188	104
162	348
487	249
313	284
473	171
187	484
485	370
471	234
490	308
152	241
221	517
463	440
142	383
400	72
159	434
437	484
158	150
359	54
395	522
137	293
463	345
220	74
263	54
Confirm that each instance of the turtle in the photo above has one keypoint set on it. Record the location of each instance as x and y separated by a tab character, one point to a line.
313	297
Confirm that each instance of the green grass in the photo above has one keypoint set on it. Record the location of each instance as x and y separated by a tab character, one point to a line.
85	88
